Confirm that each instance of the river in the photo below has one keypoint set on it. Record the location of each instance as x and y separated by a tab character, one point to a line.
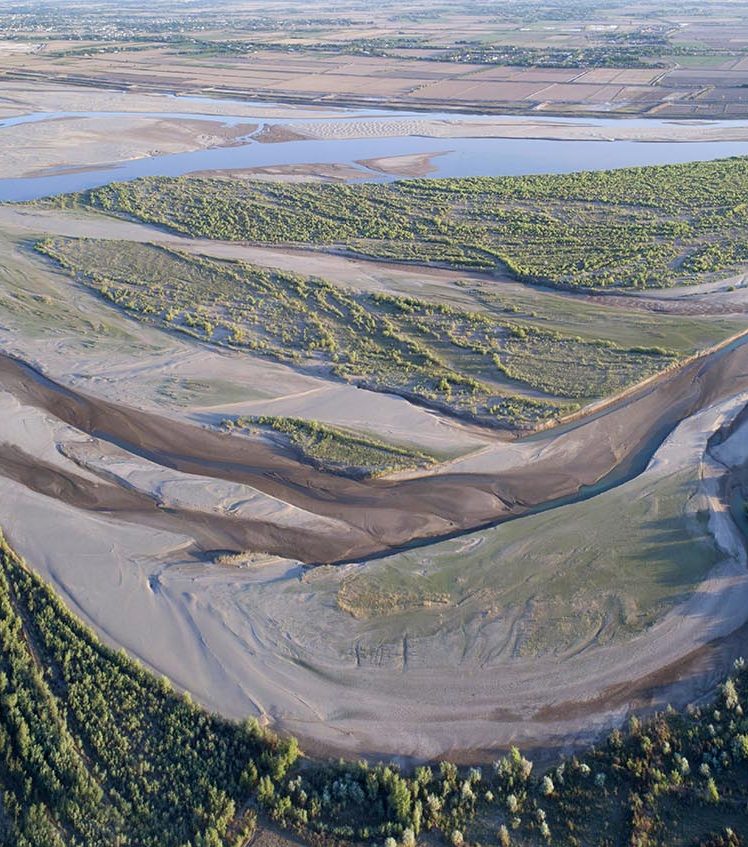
457	157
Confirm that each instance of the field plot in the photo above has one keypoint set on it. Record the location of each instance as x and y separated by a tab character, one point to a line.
631	228
409	83
606	61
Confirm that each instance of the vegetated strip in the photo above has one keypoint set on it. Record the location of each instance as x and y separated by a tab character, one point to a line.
472	364
333	449
633	228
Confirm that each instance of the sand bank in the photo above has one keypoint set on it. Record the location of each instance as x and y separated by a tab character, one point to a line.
269	642
142	573
69	144
528	128
415	165
291	173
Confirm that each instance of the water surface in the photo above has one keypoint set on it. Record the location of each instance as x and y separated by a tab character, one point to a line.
456	156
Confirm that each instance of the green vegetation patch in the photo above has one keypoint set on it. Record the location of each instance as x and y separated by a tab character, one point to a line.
585	574
467	363
613	56
597	317
631	228
337	450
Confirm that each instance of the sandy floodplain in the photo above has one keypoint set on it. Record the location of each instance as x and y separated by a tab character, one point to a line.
82	143
308	172
727	296
274	640
415	165
526	127
137	501
140	502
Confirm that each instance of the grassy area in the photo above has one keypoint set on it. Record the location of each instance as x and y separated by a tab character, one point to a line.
182	391
470	363
336	450
570	314
594	572
32	304
97	752
629	228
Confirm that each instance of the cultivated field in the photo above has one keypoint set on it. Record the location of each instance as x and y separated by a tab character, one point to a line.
649	60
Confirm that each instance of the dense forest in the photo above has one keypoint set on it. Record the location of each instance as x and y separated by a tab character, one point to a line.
629	228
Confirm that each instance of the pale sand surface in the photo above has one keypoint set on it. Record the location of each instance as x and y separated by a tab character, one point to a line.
263	641
75	337
86	143
413	165
407	165
395	693
83	143
506	479
309	172
72	143
93	356
518	128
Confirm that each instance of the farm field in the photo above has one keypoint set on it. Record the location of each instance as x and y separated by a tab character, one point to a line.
575	61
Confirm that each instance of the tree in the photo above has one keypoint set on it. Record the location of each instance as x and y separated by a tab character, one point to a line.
711	794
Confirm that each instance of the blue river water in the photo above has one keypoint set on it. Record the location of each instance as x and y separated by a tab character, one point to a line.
456	156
